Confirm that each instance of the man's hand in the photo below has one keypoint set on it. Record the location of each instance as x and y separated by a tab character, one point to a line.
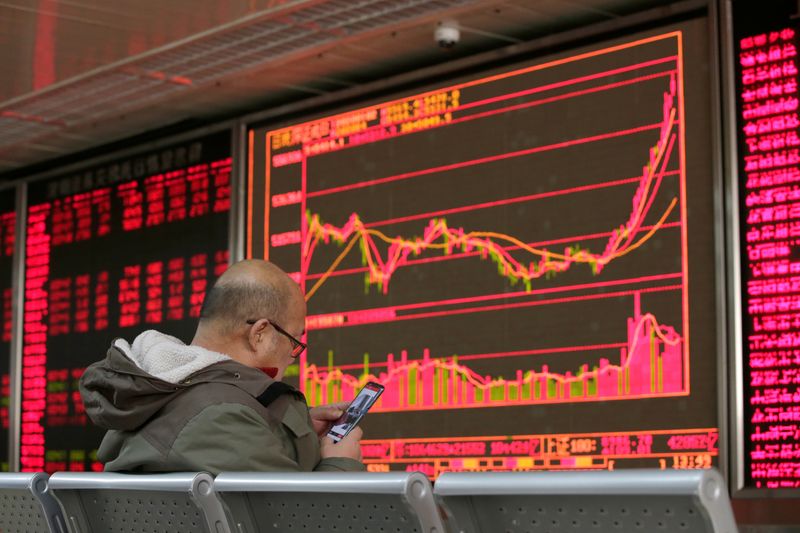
322	417
350	446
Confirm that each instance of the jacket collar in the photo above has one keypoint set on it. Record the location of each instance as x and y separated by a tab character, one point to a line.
253	381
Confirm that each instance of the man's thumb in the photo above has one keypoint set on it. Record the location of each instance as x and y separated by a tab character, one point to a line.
333	413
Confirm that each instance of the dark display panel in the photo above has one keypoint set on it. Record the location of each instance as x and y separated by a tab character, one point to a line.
518	255
768	127
111	251
7	238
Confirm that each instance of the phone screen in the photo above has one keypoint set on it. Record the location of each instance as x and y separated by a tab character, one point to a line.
365	398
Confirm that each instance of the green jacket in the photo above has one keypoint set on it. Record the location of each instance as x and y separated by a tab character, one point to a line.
222	417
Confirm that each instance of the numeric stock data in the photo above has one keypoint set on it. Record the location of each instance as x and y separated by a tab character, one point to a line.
769	213
110	251
511	253
7	238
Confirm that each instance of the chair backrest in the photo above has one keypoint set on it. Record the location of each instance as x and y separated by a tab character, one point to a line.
154	503
329	501
652	501
26	504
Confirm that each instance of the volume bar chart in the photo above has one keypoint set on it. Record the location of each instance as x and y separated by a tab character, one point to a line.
649	363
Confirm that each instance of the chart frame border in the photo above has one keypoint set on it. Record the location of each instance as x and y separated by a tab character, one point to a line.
688	10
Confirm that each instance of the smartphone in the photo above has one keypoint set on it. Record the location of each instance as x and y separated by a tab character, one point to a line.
365	398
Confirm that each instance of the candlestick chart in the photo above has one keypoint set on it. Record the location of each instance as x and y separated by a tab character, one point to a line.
504	245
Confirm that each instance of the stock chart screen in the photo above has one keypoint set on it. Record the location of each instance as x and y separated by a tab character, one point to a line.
766	43
518	255
7	237
110	251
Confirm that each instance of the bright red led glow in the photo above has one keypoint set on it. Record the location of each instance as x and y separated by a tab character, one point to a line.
176	278
198	274
131	205
7	313
771	228
652	360
154	277
44	54
222	185
86	300
60	306
650	364
176	196
5	392
82	299
154	195
101	302
130	305
585	451
220	262
7	238
455	245
34	351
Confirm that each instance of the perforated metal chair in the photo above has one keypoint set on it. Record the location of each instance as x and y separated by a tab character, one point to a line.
329	501
26	504
154	503
647	501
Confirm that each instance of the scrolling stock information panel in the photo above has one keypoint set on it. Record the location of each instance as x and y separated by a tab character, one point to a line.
112	251
7	226
769	151
510	255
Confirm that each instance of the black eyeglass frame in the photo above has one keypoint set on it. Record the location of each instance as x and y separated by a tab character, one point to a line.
298	347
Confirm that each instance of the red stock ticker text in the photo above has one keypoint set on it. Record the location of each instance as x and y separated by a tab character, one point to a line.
771	154
147	293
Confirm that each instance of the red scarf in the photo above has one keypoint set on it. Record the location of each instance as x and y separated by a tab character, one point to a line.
270	371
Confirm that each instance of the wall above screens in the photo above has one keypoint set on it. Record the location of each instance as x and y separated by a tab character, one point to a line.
113	249
767	384
523	256
7	238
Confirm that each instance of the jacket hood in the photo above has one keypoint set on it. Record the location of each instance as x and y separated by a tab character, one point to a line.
166	357
136	380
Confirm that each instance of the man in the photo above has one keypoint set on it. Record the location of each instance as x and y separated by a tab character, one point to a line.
217	404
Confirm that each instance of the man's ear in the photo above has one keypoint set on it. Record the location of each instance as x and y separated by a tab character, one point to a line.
257	333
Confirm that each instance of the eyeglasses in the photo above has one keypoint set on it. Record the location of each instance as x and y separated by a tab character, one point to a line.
297	346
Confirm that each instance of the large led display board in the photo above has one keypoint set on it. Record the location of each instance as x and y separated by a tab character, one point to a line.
112	250
7	238
523	256
768	131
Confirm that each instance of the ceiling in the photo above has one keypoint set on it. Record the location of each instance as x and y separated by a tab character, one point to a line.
79	74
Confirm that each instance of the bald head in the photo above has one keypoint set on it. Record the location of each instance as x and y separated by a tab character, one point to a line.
249	290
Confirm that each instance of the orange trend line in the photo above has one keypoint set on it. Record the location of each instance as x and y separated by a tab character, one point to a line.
620	243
